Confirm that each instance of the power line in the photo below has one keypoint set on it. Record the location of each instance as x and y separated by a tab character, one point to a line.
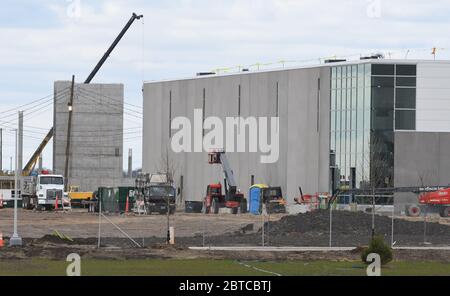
113	99
14	110
27	111
109	105
17	108
119	104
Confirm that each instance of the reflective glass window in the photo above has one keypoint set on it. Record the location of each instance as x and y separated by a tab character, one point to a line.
405	119
405	98
380	69
406	81
406	70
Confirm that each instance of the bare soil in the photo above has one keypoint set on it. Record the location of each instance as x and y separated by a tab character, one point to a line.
349	229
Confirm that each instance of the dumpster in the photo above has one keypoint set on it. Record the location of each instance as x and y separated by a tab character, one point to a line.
109	199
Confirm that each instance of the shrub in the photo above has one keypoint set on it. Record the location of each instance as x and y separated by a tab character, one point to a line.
378	246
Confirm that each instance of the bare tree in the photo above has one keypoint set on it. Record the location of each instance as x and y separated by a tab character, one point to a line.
168	166
379	162
427	177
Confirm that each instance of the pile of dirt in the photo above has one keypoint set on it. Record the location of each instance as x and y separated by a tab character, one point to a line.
348	229
352	222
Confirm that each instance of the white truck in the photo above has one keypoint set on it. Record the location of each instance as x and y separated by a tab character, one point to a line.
41	192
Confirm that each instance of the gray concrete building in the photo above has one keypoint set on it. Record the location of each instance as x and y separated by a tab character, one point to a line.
96	140
342	124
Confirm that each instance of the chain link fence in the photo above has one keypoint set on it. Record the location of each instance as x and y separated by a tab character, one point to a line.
117	224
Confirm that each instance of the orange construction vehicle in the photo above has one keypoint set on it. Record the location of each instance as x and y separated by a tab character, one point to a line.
438	200
215	199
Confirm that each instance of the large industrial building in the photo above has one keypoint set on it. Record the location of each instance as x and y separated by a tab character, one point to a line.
95	146
368	123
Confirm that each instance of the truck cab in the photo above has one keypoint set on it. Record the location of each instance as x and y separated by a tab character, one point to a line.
42	191
160	198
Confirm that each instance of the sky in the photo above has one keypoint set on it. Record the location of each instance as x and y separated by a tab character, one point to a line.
48	40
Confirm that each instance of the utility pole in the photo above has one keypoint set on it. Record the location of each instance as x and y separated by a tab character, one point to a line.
40	163
373	212
16	240
20	148
69	130
130	163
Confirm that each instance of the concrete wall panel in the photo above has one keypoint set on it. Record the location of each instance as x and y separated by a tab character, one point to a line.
303	114
96	156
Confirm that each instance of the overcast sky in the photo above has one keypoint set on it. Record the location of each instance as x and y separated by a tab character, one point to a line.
47	40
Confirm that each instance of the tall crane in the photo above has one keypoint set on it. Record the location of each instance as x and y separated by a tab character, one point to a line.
32	162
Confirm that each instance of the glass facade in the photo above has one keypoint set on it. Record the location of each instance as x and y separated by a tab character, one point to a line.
350	123
368	103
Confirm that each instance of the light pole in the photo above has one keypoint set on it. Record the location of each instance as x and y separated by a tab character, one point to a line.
16	240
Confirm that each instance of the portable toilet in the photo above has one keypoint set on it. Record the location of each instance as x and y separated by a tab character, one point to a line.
255	198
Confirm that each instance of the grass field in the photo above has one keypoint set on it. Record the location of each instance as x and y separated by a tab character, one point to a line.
215	267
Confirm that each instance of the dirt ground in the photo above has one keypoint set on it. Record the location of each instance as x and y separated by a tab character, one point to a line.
52	248
349	230
81	224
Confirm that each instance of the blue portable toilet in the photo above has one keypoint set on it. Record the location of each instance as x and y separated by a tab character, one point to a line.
255	197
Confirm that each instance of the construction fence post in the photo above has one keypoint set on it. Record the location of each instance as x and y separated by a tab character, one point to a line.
425	242
263	226
331	224
392	223
99	221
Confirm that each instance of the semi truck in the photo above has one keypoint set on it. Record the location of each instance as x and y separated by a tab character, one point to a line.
158	193
41	192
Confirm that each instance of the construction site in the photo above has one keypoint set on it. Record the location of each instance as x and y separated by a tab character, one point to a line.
362	154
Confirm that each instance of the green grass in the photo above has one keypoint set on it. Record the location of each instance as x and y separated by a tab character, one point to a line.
214	267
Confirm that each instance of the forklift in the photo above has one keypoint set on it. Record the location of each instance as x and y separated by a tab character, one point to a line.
215	199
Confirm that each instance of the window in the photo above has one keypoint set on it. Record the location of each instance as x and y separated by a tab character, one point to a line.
406	70
350	99
383	97
51	181
117	152
383	82
405	98
380	69
405	119
406	81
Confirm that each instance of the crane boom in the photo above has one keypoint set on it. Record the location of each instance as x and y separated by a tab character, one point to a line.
221	158
111	48
29	167
32	162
